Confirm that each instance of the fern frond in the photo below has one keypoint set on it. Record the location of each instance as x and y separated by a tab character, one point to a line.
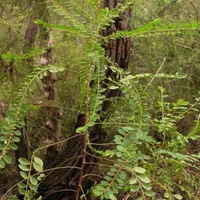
73	18
92	73
69	29
107	16
31	53
128	140
10	133
153	29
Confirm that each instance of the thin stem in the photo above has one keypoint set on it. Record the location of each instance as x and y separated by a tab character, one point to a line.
82	166
155	74
84	145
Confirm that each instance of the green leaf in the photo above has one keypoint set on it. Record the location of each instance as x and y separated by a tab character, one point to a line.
146	186
22	191
24	161
182	102
33	180
113	169
15	139
38	161
9	120
115	189
139	170
29	195
112	197
113	87
8	159
133	180
90	124
166	195
6	128
150	193
13	146
178	196
82	129
109	193
16	132
118	139
135	188
37	167
3	138
104	183
23	174
140	198
20	123
127	128
96	192
108	178
38	164
105	195
144	178
39	178
182	76
100	188
119	154
108	153
119	180
2	164
122	175
120	148
102	97
110	173
23	167
33	187
21	185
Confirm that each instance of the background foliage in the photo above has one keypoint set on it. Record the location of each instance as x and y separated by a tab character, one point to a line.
152	146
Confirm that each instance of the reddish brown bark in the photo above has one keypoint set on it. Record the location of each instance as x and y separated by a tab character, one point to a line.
30	35
63	179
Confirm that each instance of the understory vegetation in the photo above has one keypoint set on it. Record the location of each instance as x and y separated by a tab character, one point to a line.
100	100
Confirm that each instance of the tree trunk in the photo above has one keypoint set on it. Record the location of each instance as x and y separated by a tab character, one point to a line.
63	179
30	35
52	114
29	40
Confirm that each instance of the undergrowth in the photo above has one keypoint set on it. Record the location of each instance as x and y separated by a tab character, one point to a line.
149	155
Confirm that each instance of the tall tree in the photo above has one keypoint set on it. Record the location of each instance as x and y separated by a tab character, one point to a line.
29	40
66	178
52	114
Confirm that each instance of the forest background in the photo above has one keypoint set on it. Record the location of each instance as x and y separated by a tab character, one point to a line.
99	99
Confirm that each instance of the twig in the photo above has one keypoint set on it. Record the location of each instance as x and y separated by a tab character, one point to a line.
84	147
185	47
155	73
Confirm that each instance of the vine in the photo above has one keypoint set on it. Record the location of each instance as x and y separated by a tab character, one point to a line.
153	29
141	163
10	131
137	155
